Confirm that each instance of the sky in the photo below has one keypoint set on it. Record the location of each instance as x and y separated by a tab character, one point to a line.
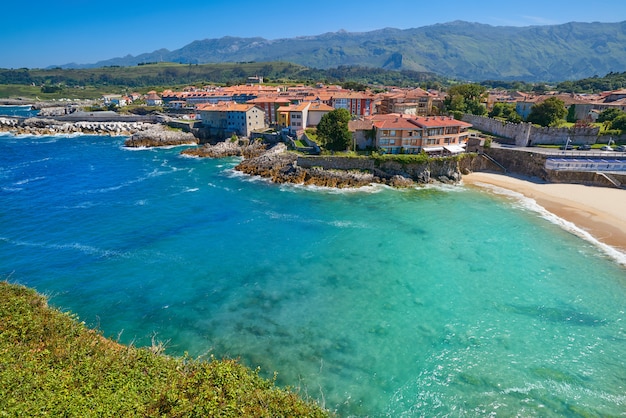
39	33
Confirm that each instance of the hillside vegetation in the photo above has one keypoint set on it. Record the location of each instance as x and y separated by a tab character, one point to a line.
460	50
173	74
52	365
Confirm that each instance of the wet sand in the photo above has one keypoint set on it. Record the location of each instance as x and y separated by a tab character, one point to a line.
600	211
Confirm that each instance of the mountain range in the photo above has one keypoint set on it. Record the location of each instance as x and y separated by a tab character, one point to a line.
459	50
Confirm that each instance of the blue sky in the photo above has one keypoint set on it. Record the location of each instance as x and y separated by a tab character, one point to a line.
41	33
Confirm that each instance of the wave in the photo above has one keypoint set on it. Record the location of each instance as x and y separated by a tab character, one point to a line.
288	217
26	181
152	174
530	204
124	148
12	189
83	248
84	205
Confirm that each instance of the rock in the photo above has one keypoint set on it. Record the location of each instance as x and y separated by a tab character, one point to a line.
229	148
160	136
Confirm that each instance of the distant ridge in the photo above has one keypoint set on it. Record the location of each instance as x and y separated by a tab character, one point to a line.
462	50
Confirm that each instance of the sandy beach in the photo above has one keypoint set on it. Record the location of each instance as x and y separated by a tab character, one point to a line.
600	211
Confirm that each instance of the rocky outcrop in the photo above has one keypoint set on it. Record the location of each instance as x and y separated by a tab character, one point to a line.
285	167
281	167
240	148
160	136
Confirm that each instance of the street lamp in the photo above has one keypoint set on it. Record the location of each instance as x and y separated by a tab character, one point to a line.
566	145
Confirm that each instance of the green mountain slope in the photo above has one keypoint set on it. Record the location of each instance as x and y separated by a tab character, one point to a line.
469	51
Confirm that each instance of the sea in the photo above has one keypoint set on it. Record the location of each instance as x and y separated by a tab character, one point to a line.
436	301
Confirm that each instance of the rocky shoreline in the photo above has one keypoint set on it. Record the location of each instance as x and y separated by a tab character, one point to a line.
281	166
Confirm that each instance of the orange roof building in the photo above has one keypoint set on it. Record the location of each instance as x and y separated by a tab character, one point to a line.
226	118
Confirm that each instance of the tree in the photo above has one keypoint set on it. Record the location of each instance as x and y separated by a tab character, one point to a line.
548	113
571	114
332	131
353	85
608	115
466	98
505	111
619	122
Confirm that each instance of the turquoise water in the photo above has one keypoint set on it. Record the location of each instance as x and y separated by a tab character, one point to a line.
378	302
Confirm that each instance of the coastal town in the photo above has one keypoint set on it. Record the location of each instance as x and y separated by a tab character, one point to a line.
235	120
234	209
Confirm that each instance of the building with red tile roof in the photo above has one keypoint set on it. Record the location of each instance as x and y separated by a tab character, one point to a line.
417	102
226	118
406	134
270	105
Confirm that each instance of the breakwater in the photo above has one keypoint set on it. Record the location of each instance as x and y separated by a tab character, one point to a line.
44	126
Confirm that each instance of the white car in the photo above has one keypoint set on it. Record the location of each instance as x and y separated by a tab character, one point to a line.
606	148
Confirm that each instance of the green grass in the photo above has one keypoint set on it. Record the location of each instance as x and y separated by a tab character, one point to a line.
12	91
52	365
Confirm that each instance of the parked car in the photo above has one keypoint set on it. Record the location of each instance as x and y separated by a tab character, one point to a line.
566	147
621	148
584	147
606	148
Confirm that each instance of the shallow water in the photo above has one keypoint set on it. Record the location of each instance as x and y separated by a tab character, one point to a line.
431	302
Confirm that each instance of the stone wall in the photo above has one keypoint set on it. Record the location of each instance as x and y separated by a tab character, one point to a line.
336	163
525	134
444	169
532	164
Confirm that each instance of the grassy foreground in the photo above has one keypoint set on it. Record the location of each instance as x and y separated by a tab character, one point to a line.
51	364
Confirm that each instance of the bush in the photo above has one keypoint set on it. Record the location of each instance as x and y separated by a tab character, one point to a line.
52	365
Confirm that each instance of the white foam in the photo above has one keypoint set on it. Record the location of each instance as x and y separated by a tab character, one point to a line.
25	181
125	148
85	249
531	205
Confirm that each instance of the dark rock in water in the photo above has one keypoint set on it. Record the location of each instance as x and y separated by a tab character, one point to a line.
544	313
160	136
241	148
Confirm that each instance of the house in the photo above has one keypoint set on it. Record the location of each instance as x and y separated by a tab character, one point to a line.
316	112
226	118
417	102
357	103
406	134
115	99
397	134
153	99
443	134
294	117
363	133
270	105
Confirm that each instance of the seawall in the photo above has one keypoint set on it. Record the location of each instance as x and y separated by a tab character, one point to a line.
533	164
436	169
